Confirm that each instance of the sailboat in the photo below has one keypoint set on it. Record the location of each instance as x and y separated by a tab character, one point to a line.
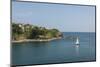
77	41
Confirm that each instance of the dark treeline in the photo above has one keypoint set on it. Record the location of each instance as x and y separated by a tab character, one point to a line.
27	31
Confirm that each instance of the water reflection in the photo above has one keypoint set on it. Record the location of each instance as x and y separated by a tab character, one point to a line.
77	50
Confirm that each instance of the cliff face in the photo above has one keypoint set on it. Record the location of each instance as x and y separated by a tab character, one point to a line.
27	31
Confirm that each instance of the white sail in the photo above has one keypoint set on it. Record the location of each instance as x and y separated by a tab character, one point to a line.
77	41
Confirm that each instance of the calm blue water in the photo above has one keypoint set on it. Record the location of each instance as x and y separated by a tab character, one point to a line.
55	51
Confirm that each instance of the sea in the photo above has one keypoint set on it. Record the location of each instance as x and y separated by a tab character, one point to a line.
55	51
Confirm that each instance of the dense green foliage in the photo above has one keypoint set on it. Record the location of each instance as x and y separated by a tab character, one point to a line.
27	31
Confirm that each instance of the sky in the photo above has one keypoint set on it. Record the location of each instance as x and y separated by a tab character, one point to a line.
66	18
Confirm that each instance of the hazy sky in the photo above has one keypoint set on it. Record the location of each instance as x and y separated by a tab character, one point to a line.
66	18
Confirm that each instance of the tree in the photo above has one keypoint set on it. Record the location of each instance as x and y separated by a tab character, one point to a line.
16	31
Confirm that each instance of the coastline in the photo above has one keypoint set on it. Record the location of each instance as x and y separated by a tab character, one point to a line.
35	40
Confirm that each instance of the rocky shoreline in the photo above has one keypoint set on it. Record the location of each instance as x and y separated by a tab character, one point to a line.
35	40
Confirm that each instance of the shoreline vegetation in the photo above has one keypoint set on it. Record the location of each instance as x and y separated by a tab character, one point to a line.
32	33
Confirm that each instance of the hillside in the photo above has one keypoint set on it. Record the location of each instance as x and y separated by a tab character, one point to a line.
28	31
